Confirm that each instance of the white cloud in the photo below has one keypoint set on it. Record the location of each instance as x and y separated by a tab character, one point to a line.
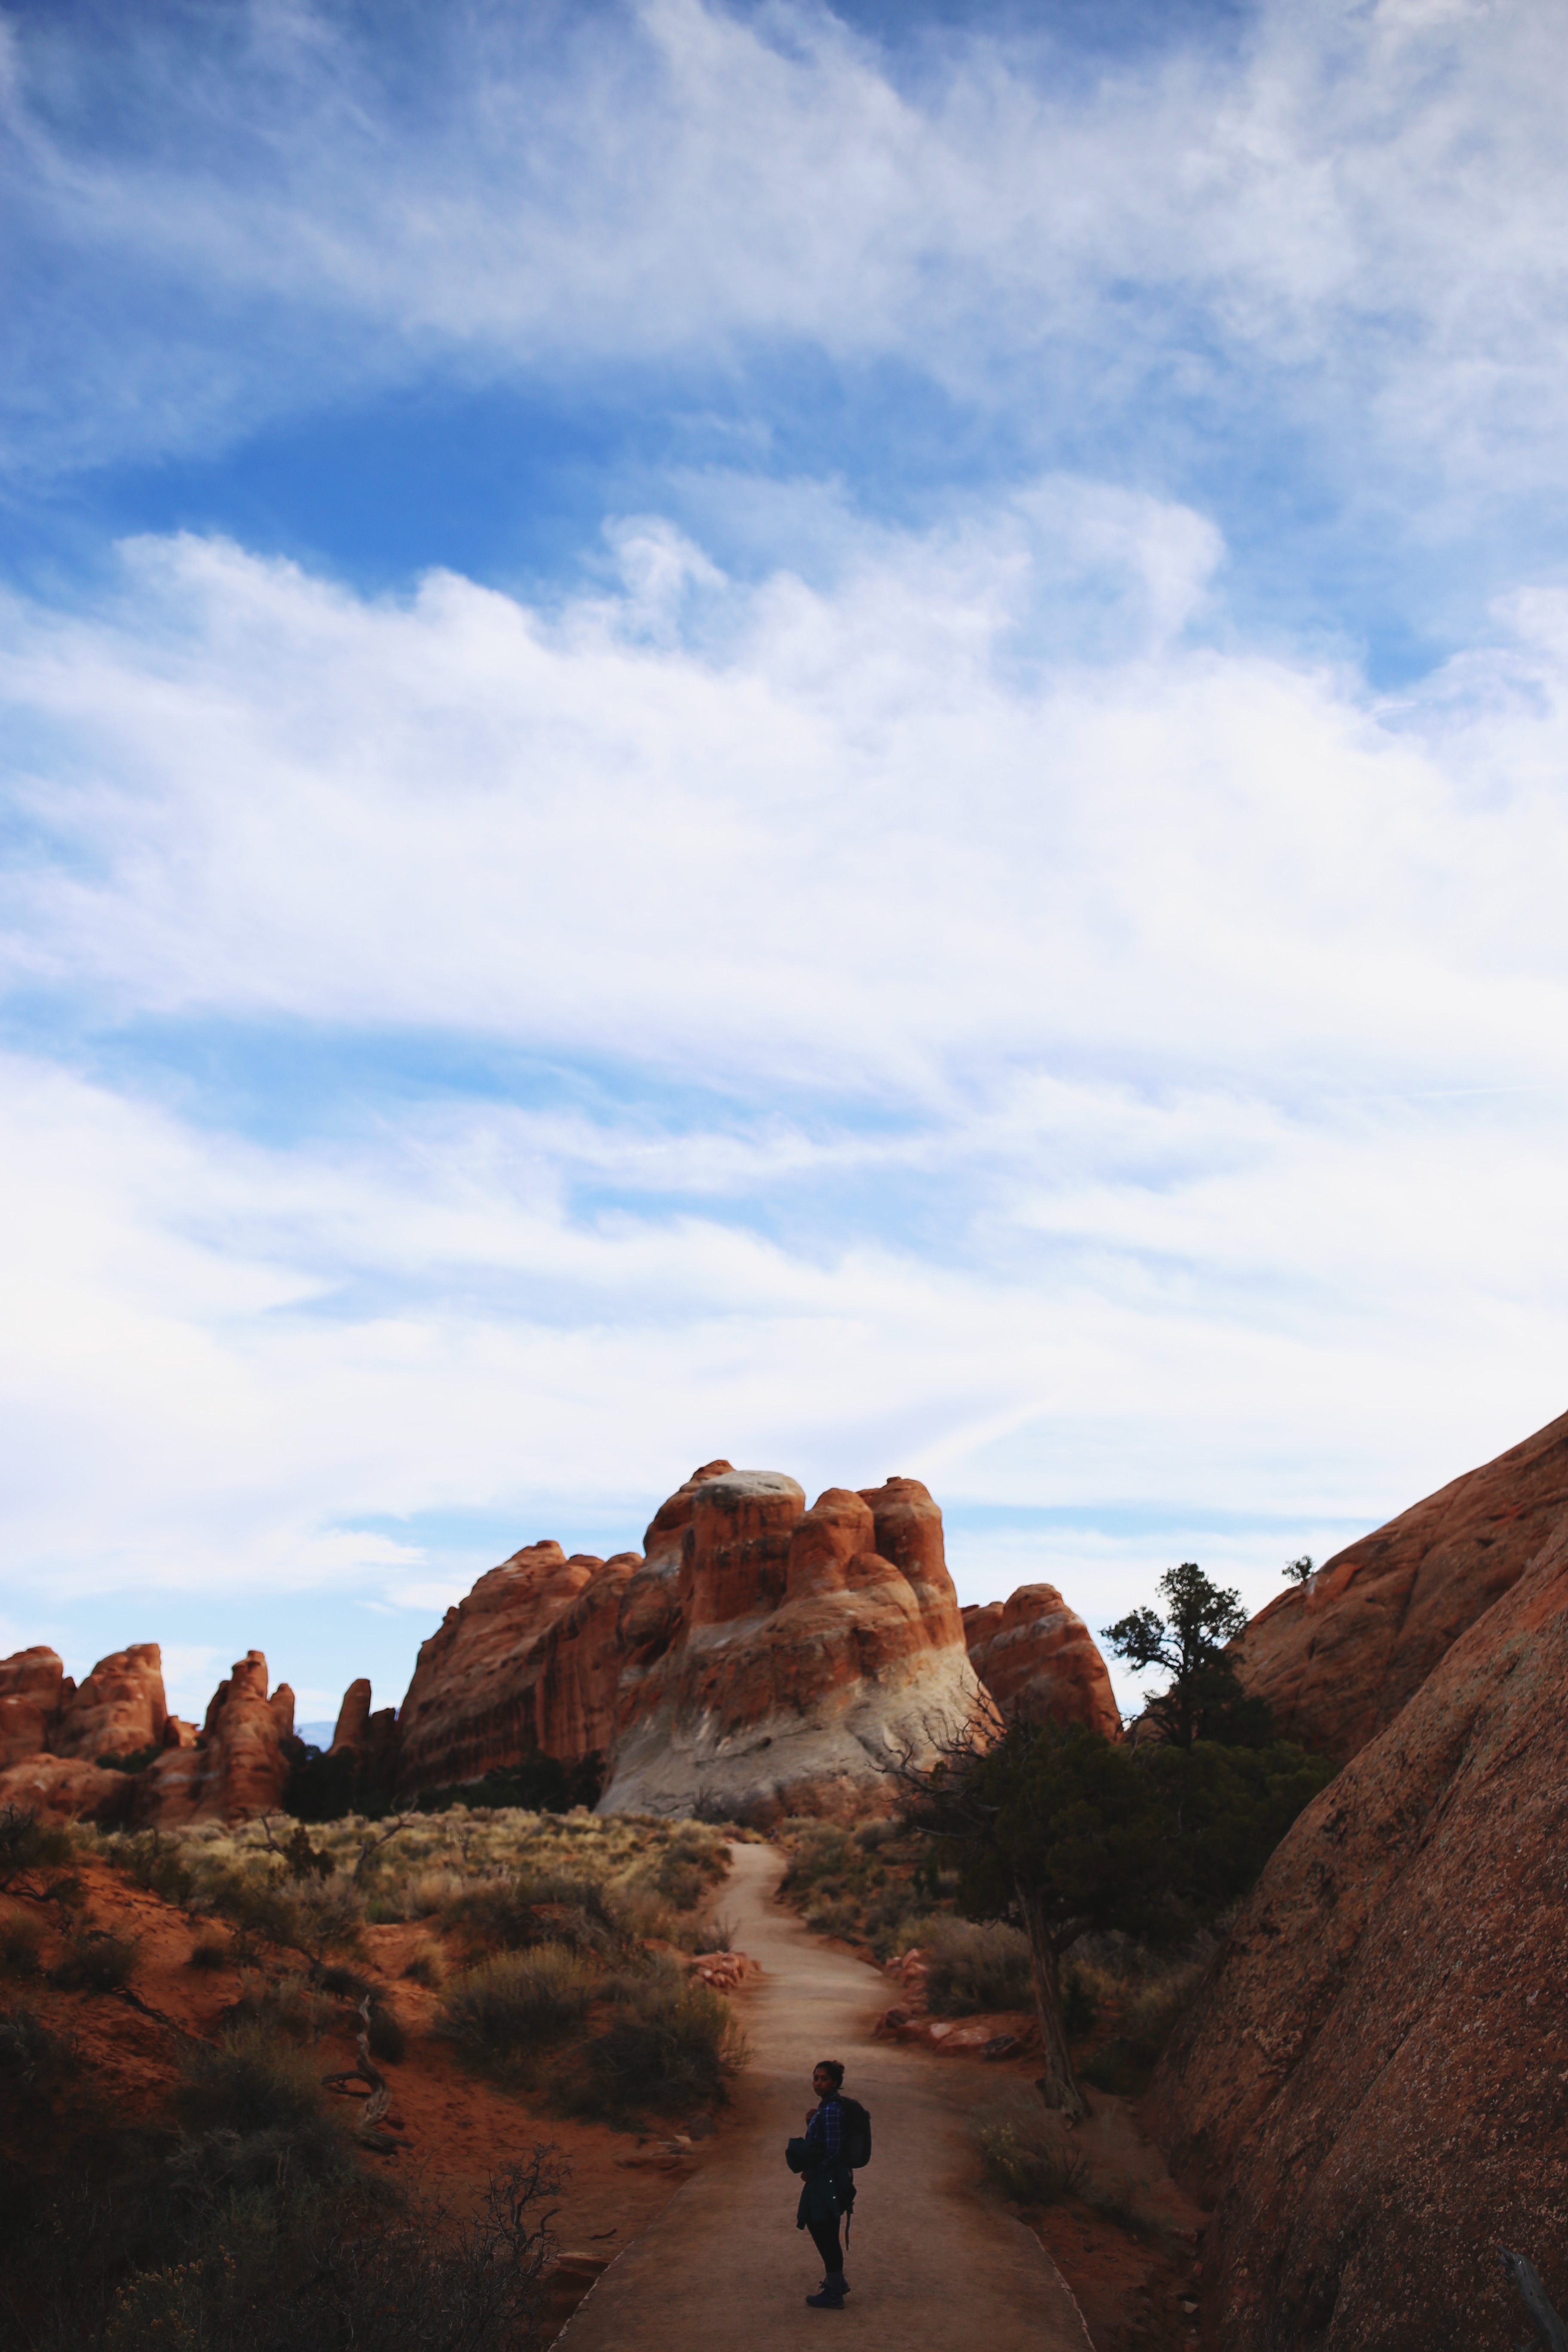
1355	207
1145	1075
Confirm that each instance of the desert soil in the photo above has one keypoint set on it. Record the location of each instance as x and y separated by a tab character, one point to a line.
933	2260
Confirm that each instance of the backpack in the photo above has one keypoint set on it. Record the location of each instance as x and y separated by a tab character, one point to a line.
856	2133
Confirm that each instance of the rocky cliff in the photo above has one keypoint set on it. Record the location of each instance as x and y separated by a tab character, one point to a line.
1337	1658
1038	1659
1371	2081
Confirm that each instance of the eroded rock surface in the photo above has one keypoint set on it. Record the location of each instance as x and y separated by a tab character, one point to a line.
527	1661
1372	2080
120	1708
34	1686
1038	1659
241	1763
800	1653
1337	1658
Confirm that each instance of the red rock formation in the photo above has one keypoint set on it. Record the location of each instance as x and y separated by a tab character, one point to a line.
61	1788
353	1716
242	1764
118	1711
1371	2081
34	1686
805	1657
1038	1659
489	1687
1337	1658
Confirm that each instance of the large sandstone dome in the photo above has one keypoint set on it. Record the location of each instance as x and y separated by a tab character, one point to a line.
758	1658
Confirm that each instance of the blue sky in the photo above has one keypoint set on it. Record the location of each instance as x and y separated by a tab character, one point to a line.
835	736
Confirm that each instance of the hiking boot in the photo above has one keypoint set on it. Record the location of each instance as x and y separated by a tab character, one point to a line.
832	2296
842	2281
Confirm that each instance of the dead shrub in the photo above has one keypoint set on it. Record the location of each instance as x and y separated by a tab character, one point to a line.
95	1961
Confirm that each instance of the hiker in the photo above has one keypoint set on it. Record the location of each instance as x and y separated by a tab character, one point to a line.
827	2189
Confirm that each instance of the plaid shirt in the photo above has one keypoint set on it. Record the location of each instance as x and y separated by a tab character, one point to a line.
825	2132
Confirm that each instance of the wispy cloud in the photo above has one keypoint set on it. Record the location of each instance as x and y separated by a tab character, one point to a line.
1349	214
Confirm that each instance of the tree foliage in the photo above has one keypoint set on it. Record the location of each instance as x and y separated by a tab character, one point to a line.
1198	1645
1070	1834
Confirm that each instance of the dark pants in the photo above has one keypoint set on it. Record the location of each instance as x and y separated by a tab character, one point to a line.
824	2238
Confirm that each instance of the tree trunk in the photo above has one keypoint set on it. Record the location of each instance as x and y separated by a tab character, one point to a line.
1058	2084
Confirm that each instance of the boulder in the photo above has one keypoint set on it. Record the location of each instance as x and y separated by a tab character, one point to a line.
1338	1657
34	1686
120	1708
1369	2082
1038	1659
804	1658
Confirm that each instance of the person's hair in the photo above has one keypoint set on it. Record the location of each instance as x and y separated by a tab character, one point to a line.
830	2066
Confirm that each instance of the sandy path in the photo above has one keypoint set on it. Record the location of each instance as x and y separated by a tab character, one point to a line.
933	2265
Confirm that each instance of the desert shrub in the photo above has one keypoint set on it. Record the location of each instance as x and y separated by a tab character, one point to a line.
536	1784
157	1864
68	1891
19	1939
719	1933
27	1843
427	1966
31	2057
135	1759
208	1953
668	2044
1027	2152
977	1968
834	1916
94	1960
427	1891
287	2005
252	2096
517	2001
1151	2015
337	1977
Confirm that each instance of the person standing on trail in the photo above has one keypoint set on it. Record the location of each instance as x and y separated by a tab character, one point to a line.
827	2189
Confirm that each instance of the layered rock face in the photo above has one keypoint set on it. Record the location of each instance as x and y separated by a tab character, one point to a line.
1371	2081
1038	1660
527	1661
1337	1658
799	1652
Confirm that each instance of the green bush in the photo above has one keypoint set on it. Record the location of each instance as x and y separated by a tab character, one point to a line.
517	2002
977	1966
668	2044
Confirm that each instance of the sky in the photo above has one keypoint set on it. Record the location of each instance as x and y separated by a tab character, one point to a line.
833	736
